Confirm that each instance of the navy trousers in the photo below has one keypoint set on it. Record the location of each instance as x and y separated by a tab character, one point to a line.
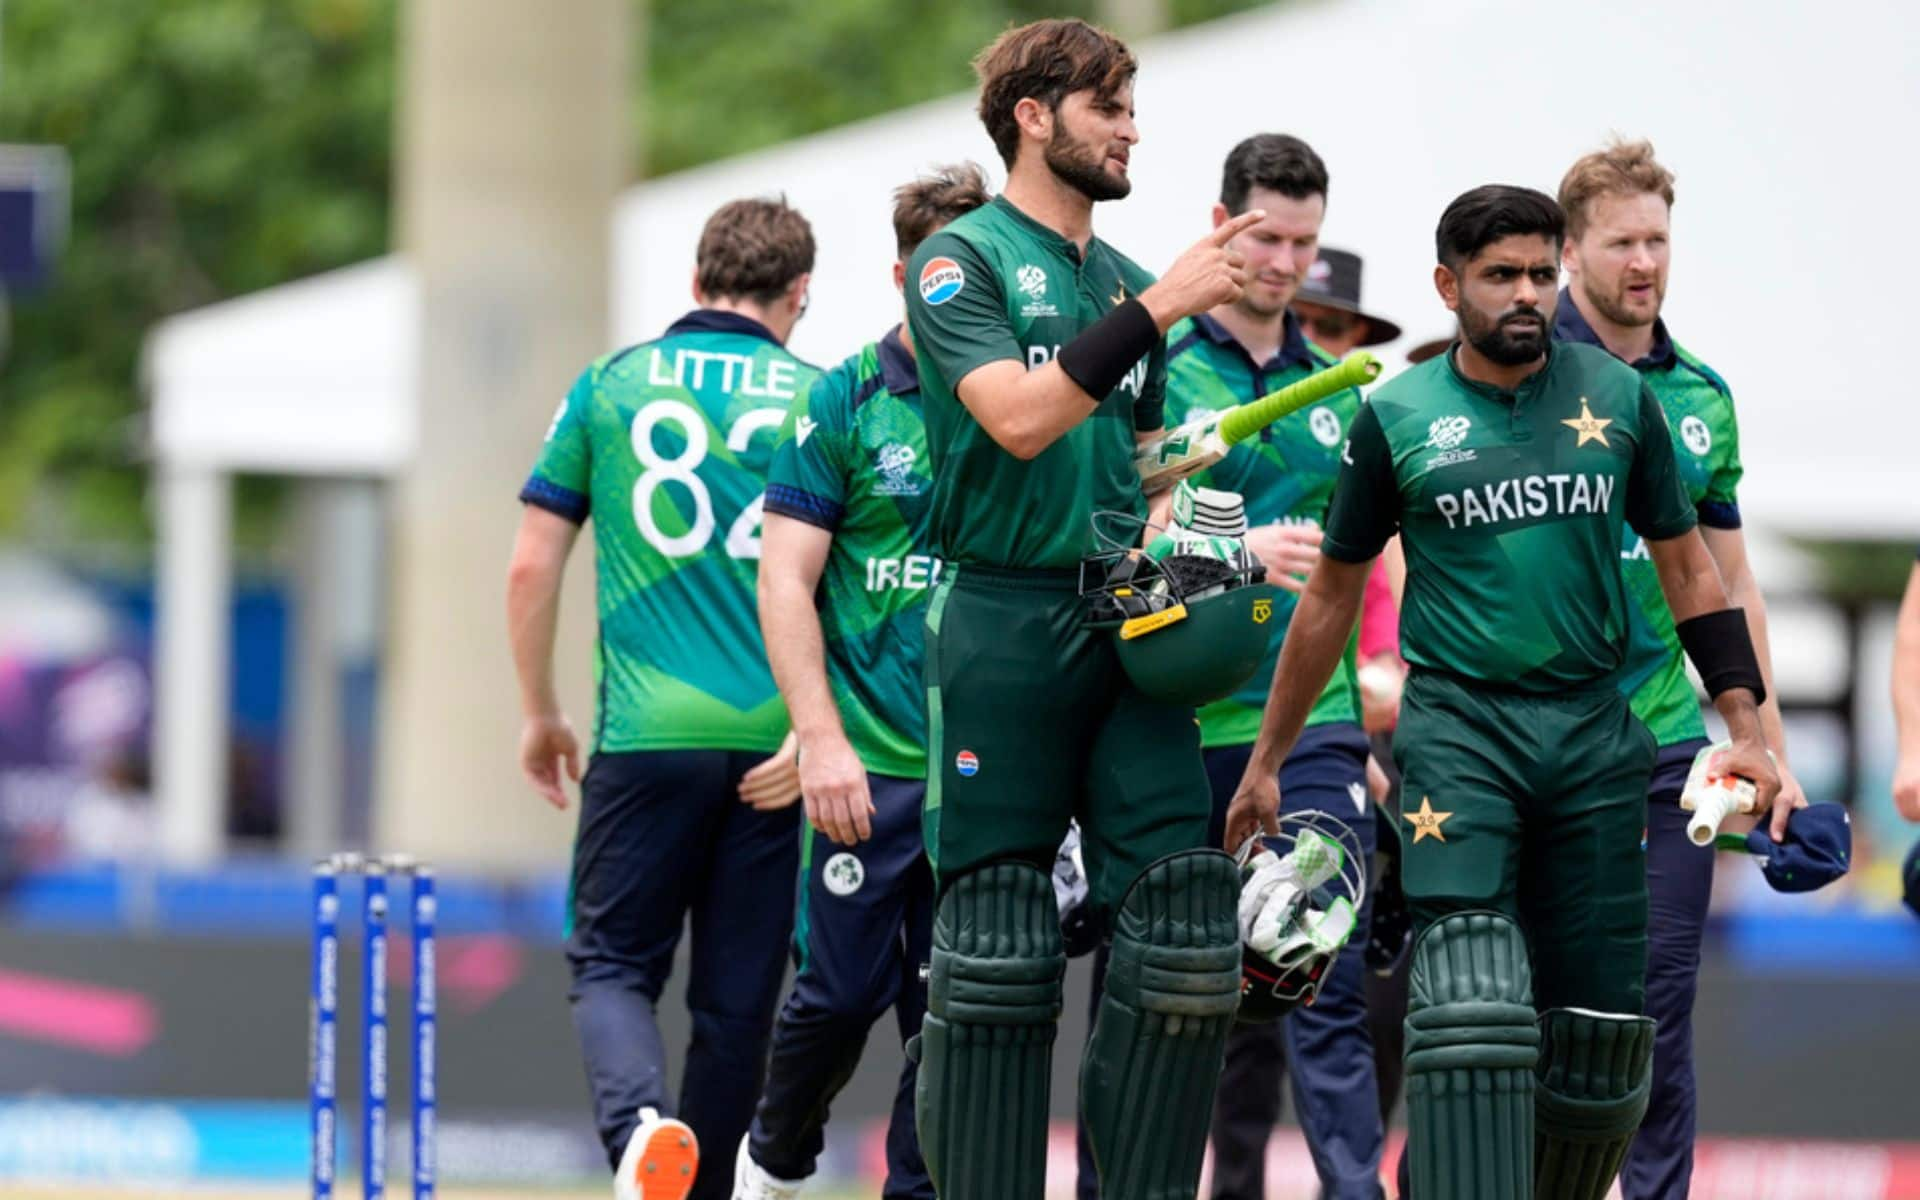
1679	885
863	930
665	842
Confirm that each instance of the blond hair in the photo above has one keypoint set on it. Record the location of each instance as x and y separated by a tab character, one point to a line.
1622	168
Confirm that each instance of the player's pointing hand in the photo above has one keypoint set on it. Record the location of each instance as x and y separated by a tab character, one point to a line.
1209	274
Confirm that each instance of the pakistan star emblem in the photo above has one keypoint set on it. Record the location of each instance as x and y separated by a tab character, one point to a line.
1589	427
1426	822
1120	295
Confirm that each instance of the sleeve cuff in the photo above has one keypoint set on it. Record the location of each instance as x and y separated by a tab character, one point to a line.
562	502
1348	552
786	501
1662	531
1718	514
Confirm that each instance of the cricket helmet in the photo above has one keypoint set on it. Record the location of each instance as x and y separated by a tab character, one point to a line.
1189	614
1301	895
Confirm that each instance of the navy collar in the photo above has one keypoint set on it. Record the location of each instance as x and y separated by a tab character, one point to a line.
1571	325
1293	343
899	374
714	320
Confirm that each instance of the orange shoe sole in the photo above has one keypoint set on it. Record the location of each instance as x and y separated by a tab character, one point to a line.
669	1163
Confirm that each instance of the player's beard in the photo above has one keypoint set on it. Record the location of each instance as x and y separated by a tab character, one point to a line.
1614	307
1494	338
1083	168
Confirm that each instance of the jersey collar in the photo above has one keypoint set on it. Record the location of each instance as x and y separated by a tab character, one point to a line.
899	374
1293	343
1571	325
713	320
1051	236
1528	386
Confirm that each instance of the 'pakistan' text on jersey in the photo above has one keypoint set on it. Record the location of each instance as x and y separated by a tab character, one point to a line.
853	461
667	445
1509	506
1706	444
996	284
1285	474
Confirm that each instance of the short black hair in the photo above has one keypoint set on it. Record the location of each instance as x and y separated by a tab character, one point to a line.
1278	162
1481	217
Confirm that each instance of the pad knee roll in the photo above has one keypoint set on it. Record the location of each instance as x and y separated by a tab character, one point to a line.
1472	1044
986	1046
1147	1082
1592	1084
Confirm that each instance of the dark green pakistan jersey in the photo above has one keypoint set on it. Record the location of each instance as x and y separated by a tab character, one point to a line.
1286	475
1509	506
853	461
1706	444
996	284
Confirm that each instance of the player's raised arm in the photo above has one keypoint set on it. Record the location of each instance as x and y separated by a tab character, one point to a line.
1025	411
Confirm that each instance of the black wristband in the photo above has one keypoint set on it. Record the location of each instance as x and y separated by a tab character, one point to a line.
1722	650
1106	350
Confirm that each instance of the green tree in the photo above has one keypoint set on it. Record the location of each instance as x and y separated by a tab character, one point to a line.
223	146
218	147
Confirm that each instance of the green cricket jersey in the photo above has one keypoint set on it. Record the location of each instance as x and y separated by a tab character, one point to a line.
996	284
853	461
1286	475
668	443
1509	507
1706	444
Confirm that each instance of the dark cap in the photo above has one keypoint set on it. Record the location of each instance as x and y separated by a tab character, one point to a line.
1334	281
1816	851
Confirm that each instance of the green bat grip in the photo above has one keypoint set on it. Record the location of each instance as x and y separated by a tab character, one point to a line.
1250	418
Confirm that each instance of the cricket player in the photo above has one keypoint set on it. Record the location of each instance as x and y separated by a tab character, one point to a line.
1906	698
1042	364
846	520
688	791
1218	359
1507	467
1617	201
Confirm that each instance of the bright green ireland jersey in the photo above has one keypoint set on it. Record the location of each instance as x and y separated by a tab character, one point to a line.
1706	444
996	284
1509	507
1286	475
667	443
853	461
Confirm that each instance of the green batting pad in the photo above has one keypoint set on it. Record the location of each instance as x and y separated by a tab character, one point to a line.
1146	1085
1471	1047
1593	1080
986	1046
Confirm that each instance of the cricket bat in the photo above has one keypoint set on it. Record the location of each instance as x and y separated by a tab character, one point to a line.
1205	440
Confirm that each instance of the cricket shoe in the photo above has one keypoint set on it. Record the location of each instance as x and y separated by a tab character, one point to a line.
752	1182
661	1161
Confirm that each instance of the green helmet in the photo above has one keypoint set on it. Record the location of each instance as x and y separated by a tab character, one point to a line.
1189	615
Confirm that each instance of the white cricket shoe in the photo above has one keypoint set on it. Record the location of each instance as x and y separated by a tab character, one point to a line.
661	1160
751	1181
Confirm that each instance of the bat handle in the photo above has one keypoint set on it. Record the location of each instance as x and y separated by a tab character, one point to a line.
1715	805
